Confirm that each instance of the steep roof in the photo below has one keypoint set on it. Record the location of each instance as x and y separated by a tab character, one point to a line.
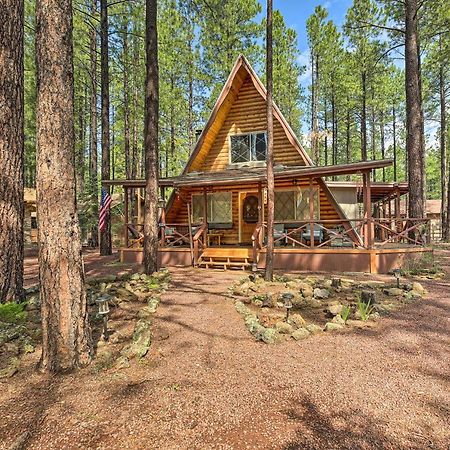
240	72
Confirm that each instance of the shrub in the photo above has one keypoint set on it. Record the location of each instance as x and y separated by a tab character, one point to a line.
345	313
12	312
365	309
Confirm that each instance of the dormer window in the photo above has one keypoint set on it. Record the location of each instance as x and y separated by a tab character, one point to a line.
248	147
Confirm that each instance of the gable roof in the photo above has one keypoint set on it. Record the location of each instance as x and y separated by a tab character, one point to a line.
241	70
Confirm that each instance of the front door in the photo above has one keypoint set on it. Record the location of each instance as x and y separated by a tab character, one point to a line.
248	216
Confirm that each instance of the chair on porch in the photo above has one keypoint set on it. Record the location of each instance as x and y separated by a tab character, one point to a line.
137	237
279	233
317	233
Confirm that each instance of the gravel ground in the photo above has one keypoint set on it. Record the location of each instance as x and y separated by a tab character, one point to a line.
207	385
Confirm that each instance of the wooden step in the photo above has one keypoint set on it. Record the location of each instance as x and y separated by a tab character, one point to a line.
226	258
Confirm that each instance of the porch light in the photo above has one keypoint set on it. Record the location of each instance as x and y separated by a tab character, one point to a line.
397	273
103	311
287	300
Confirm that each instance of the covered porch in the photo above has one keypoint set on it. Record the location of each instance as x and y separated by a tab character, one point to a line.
218	219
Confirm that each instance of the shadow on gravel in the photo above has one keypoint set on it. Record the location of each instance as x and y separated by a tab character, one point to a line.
337	429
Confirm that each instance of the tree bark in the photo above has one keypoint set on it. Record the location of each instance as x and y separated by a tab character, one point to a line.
414	115
93	143
363	117
314	101
394	140
383	146
270	157
105	236
65	330
151	140
11	150
443	148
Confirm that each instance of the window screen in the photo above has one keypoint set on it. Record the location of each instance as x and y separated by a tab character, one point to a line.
294	205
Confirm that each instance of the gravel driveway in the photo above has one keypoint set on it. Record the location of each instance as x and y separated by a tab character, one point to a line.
207	385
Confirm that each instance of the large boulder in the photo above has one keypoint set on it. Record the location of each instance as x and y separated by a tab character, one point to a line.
300	334
321	294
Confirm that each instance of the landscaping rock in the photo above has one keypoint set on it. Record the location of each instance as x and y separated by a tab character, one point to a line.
11	368
12	348
142	338
297	320
418	288
306	290
338	319
357	323
336	283
122	362
33	303
284	328
335	309
125	295
300	334
242	309
269	301
313	328
411	296
269	336
393	292
136	276
331	326
321	294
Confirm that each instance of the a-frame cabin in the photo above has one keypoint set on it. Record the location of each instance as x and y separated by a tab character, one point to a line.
215	216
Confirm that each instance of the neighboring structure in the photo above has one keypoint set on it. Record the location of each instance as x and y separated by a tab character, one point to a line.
30	220
215	216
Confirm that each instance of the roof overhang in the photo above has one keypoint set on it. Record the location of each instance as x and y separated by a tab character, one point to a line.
245	175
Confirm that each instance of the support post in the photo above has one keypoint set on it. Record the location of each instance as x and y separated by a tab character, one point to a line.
125	228
205	216
368	235
163	218
311	212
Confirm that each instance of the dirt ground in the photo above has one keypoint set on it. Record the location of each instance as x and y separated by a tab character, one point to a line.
206	384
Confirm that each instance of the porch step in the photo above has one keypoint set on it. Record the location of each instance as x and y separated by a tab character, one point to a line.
227	258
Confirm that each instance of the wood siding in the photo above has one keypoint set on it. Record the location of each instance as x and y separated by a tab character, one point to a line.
178	213
247	114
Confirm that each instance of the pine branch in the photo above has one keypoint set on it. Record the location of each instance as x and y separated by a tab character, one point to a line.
374	25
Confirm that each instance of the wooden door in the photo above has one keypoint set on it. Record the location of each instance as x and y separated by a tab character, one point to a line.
248	216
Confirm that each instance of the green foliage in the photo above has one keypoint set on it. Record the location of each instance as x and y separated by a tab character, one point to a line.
364	309
12	312
345	313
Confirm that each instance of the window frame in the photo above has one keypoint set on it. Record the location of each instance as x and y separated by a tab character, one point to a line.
251	161
210	195
295	190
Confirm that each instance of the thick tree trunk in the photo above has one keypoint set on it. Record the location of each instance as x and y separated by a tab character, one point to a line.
11	150
383	146
314	101
93	158
363	117
151	140
414	116
373	134
325	129
105	236
65	330
270	157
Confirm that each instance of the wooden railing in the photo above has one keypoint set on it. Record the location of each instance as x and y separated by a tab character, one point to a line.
199	241
351	233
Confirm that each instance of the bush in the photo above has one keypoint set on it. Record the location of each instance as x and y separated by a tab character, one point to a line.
12	312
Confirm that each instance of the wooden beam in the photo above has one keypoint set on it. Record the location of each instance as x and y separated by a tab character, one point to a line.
125	229
311	212
368	235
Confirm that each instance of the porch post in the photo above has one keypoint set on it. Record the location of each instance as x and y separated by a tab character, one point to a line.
260	214
138	221
368	240
125	228
311	213
163	217
205	215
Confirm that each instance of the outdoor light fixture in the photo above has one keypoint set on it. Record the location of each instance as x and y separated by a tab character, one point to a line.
287	300
103	311
397	273
161	203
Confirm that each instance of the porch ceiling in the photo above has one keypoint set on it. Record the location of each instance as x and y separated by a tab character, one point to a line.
254	174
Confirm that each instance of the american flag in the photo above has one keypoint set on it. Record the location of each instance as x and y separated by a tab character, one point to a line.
105	203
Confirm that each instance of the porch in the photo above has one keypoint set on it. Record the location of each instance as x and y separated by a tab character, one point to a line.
225	222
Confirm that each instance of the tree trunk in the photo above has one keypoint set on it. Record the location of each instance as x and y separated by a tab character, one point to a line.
443	142
93	165
325	129
363	117
373	134
151	139
382	142
105	236
270	158
314	100
347	138
414	116
394	140
65	329
11	150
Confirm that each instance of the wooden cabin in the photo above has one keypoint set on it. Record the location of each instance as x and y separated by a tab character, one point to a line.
216	213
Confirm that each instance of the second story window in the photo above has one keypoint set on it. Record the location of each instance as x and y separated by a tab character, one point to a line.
248	147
